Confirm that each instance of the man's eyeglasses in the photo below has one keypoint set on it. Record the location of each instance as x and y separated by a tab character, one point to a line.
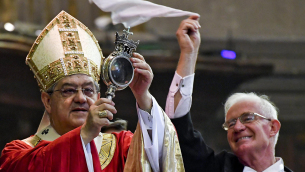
68	92
246	117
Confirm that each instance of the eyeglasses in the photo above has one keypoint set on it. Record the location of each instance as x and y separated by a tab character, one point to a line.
68	92
246	117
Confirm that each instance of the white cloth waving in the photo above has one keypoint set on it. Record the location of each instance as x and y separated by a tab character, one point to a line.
134	12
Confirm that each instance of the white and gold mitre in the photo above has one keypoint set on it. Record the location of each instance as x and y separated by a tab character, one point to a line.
65	47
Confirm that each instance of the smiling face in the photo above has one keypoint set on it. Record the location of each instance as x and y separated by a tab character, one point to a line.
249	138
68	113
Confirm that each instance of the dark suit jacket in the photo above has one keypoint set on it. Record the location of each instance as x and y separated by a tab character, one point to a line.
197	156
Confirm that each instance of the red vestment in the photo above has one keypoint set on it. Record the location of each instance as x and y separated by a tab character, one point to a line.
61	155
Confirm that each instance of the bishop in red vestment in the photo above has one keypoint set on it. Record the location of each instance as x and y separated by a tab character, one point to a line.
66	61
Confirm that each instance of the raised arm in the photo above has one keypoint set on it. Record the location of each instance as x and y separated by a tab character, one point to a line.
189	41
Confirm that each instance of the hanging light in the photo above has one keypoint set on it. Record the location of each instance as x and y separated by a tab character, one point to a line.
9	27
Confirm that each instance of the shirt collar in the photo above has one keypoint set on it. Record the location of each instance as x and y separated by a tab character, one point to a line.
276	167
48	133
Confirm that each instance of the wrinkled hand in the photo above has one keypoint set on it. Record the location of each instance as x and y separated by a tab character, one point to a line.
188	35
94	123
141	82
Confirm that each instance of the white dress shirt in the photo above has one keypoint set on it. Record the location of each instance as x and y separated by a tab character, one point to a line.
276	167
185	86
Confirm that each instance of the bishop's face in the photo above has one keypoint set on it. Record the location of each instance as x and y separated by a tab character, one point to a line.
69	103
248	138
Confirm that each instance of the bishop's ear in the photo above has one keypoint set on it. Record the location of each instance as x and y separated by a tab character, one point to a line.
275	127
46	100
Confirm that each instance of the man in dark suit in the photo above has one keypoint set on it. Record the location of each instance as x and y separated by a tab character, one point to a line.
250	120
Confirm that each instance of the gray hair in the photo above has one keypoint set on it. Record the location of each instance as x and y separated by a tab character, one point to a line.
268	108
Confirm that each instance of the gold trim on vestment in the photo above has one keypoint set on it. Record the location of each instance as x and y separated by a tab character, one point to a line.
172	156
35	140
172	161
137	160
107	149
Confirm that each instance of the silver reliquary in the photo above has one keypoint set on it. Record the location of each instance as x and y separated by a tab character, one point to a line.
117	69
